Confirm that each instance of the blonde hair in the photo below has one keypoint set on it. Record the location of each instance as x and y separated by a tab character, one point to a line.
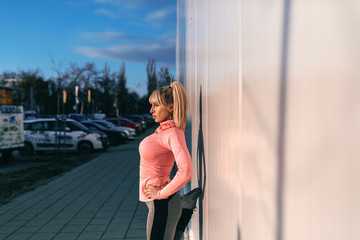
173	94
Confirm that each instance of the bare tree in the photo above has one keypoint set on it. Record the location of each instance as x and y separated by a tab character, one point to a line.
89	80
122	93
61	78
164	77
107	85
151	76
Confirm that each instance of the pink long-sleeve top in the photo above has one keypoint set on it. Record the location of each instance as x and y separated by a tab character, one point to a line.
157	155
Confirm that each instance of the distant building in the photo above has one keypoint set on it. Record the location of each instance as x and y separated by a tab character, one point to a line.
6	94
12	82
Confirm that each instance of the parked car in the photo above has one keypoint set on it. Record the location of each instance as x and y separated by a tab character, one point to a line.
29	114
124	122
45	116
130	132
150	121
99	116
77	126
115	136
78	117
48	134
138	119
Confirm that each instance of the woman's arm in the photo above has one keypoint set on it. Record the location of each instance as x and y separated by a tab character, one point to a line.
177	144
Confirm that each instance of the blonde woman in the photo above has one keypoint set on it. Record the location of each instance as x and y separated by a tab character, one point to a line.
158	153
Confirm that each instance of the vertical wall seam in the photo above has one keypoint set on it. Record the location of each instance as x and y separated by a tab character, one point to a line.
282	122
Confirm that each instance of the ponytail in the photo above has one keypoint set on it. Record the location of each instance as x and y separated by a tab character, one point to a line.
180	105
173	94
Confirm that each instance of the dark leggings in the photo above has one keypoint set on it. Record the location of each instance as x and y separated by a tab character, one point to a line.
163	218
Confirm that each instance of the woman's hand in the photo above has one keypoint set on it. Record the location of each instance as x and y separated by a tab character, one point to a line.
151	191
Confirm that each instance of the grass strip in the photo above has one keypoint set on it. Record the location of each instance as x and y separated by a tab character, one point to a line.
16	183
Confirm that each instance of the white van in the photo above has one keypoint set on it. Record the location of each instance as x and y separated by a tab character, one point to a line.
29	114
48	135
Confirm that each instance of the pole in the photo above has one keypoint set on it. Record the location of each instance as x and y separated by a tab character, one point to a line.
64	102
89	100
76	97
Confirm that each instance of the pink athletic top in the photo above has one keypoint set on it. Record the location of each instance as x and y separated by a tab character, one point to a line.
157	155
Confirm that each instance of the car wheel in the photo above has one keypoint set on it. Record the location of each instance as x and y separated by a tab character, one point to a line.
85	148
27	150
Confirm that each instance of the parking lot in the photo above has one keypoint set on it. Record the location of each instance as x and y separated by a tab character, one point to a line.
98	200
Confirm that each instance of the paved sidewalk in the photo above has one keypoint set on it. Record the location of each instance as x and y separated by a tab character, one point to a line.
98	200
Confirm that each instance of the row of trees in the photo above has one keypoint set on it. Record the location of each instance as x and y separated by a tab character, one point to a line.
97	90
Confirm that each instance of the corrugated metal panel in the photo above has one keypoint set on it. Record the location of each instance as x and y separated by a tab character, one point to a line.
261	53
322	167
273	87
212	82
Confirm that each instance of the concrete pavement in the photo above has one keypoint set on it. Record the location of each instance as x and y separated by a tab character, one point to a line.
98	200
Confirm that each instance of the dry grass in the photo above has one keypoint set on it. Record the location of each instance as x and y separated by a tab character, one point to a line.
16	183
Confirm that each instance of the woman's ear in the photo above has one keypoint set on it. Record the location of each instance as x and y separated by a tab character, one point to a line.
171	107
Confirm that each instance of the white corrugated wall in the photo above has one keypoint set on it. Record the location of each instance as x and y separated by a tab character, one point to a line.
217	121
274	117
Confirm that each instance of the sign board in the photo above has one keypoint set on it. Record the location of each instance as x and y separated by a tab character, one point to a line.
11	127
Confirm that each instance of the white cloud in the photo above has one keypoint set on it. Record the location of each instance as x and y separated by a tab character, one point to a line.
132	4
115	2
160	14
106	12
122	3
135	53
77	3
167	38
105	36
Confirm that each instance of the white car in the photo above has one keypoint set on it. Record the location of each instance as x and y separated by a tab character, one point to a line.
49	135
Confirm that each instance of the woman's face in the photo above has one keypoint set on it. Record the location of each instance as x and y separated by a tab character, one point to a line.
161	112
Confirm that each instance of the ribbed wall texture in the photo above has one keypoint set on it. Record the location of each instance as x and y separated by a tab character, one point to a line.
211	72
274	92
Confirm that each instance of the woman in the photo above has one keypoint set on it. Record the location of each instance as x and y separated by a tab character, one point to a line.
158	153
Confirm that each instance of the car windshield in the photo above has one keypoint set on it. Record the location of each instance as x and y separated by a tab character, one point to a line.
106	124
111	124
94	125
79	125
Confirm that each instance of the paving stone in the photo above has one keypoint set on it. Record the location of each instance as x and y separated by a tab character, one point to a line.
15	223
116	239
19	236
58	222
37	222
71	228
114	234
136	233
51	228
3	235
84	221
66	236
104	214
90	236
96	228
28	229
118	226
9	230
101	221
136	238
42	236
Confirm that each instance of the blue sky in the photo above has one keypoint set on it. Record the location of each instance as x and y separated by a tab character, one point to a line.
78	31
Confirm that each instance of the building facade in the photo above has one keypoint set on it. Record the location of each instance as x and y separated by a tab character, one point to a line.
274	127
